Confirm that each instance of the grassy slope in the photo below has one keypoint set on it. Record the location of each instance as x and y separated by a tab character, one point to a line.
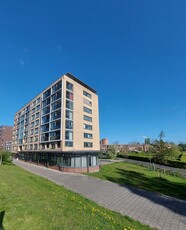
142	177
32	202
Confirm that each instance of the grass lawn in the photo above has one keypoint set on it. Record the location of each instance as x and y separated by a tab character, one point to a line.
32	202
142	177
183	157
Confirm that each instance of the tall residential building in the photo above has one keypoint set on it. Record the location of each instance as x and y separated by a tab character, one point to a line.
5	135
59	128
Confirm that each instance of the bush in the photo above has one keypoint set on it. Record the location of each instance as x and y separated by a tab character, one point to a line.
6	157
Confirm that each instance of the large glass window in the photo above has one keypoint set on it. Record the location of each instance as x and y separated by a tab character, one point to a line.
46	110
46	94
55	115
56	96
86	118
69	95
69	114
55	124
45	128
88	135
56	105
69	124
69	143
55	135
88	144
69	104
57	86
45	119
87	94
45	137
68	135
87	110
89	127
46	102
69	86
87	102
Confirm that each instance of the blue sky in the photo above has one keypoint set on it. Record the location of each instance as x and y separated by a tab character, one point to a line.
133	52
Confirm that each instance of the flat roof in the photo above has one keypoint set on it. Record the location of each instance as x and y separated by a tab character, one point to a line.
80	82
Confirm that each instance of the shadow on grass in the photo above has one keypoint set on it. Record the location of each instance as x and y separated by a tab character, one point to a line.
153	186
2	213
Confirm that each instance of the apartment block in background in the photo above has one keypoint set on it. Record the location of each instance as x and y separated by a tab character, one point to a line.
5	135
59	128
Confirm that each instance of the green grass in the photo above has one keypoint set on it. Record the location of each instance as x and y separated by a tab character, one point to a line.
183	157
32	202
141	177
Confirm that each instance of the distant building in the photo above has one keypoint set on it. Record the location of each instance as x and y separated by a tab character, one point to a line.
104	141
59	128
5	135
8	145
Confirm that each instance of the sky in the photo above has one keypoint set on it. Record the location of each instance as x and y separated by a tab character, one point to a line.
133	52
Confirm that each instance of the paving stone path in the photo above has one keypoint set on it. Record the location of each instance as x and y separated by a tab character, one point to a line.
161	212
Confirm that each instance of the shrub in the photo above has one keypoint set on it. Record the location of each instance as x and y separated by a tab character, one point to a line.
6	157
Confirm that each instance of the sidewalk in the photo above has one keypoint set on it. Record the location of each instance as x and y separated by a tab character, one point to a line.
161	212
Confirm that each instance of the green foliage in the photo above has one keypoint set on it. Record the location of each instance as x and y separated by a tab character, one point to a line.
182	146
5	157
112	151
175	152
160	150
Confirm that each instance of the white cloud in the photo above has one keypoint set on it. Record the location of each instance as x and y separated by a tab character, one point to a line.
22	62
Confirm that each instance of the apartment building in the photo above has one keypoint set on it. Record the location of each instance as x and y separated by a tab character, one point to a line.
59	128
5	135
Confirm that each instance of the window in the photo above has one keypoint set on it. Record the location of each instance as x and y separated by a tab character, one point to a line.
31	139
38	100
88	135
69	124
35	146
45	128
46	110
87	94
33	117
37	115
89	127
32	124
86	118
34	103
69	104
31	132
37	122
56	105
55	115
57	86
36	131
45	119
56	96
87	102
88	144
69	86
36	139
87	110
55	124
68	135
69	114
46	102
33	110
68	143
45	137
46	94
55	135
38	108
69	95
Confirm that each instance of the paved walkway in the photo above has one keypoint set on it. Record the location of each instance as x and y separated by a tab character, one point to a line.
161	212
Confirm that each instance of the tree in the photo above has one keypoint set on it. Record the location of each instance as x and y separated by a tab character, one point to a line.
112	151
5	157
160	149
